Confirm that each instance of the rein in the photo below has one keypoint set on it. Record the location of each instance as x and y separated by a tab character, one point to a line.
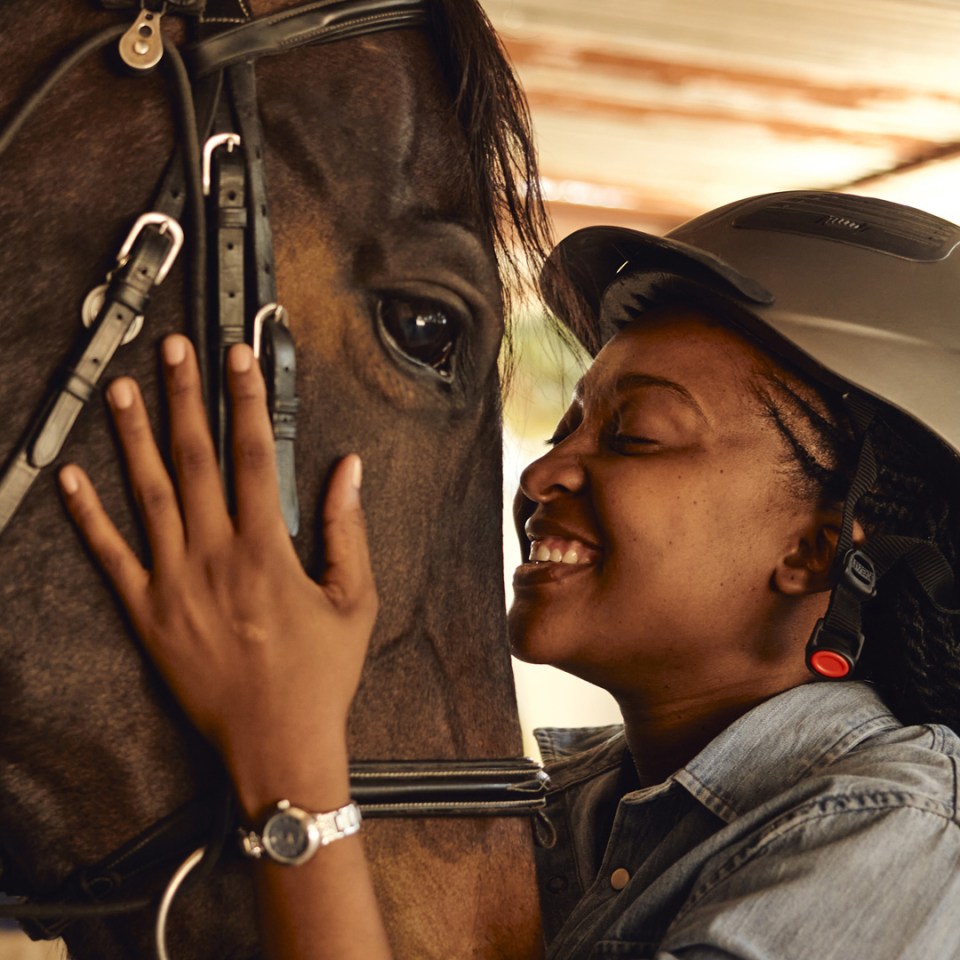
216	174
382	788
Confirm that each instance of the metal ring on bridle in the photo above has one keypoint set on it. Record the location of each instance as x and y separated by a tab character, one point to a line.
92	305
171	891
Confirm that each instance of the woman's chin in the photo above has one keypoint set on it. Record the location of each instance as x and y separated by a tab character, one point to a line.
533	638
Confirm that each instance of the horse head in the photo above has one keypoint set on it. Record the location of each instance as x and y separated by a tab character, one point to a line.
395	166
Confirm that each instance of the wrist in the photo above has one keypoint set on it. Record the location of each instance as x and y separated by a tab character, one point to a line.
311	777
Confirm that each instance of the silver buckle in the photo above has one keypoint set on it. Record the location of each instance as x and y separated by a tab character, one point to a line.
230	140
166	224
268	309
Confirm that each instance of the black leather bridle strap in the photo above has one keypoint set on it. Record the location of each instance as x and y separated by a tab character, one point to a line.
107	888
320	22
278	359
154	245
143	262
383	788
244	298
228	205
271	337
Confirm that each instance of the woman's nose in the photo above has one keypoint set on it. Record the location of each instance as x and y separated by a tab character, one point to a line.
559	471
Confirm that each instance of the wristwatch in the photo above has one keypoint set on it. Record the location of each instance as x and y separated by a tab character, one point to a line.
291	836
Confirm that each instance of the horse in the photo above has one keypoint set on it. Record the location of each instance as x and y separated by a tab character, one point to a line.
400	175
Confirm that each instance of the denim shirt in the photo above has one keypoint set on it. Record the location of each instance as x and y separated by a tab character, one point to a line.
816	826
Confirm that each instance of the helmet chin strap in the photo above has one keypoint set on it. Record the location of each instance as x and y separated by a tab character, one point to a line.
837	640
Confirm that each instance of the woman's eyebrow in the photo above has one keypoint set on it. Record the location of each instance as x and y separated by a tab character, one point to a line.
632	381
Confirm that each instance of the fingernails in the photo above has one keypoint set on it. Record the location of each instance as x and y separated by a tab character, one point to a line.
351	497
241	358
174	350
120	394
69	480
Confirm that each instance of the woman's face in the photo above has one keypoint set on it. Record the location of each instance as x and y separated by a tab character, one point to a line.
659	516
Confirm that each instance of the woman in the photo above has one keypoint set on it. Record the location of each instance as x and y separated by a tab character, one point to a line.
721	508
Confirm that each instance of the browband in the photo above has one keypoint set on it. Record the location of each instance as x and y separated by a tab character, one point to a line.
314	23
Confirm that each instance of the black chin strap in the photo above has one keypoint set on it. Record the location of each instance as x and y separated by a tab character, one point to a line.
837	640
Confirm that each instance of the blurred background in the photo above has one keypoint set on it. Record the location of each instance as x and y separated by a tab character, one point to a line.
649	112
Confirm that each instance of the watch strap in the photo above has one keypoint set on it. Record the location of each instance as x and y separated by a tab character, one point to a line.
337	824
329	827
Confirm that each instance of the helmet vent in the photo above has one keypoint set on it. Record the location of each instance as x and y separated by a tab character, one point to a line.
844	222
862	221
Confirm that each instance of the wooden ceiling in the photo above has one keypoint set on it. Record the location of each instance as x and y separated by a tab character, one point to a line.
649	112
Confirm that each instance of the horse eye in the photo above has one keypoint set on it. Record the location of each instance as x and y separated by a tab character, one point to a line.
422	331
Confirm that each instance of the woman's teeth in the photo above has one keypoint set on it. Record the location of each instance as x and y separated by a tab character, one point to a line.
542	553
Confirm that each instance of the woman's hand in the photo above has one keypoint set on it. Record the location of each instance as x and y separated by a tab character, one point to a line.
264	660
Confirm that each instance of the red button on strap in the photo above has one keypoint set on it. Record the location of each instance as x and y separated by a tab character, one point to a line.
829	664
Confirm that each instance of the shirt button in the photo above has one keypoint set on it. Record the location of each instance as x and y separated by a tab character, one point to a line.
557	884
619	878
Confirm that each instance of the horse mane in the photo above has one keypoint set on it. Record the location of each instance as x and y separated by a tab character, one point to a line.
492	111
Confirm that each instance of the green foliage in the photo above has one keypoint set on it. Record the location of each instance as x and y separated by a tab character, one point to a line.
543	367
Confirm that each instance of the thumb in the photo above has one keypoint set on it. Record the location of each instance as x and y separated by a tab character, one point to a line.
348	579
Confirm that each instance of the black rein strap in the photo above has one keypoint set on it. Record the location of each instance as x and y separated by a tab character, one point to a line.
382	788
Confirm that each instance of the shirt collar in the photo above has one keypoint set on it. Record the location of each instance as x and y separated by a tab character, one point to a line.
765	751
779	742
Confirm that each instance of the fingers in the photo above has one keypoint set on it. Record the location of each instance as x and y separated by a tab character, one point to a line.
191	446
254	461
348	579
149	480
119	562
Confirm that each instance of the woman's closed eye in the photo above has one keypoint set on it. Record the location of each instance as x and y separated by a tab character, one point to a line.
629	442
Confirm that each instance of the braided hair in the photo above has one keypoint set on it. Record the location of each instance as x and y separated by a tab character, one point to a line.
912	648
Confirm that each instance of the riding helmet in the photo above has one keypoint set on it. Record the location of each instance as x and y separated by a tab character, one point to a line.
861	291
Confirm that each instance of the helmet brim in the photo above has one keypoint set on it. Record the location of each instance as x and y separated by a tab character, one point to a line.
855	291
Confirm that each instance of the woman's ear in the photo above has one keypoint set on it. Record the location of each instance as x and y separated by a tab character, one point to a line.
806	567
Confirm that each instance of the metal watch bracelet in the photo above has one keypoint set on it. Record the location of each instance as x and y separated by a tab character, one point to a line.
291	835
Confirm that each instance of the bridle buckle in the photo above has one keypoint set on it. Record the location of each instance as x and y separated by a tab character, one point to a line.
268	310
230	140
167	225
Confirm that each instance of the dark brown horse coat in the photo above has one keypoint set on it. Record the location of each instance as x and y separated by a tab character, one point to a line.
377	197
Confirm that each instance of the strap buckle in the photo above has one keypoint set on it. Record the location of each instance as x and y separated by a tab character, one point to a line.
229	140
166	224
860	573
268	311
833	654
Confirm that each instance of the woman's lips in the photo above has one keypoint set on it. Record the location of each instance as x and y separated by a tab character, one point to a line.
553	559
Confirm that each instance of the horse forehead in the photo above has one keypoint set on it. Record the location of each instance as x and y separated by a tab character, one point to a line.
374	111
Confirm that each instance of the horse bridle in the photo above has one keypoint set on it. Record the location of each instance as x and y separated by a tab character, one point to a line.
218	162
229	170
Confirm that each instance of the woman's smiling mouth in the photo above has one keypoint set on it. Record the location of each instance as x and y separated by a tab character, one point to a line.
553	559
558	550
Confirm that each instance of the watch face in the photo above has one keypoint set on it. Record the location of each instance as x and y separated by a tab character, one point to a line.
285	836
